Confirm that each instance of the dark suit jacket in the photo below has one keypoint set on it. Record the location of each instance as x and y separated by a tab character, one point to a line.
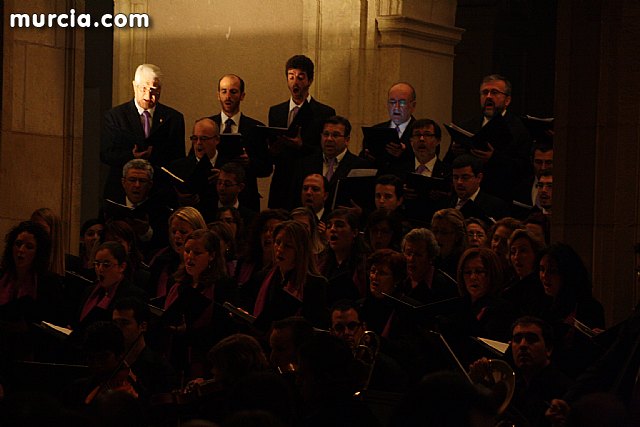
492	206
122	130
309	119
385	165
260	164
510	162
314	163
208	196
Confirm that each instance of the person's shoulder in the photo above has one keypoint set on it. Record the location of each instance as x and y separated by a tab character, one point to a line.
382	124
282	105
319	106
121	109
249	121
169	111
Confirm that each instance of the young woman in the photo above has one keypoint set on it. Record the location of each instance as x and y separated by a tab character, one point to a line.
293	285
166	261
190	312
344	262
91	233
121	232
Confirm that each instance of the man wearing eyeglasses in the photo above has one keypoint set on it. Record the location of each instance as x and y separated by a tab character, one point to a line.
141	129
335	161
231	93
506	162
230	185
401	103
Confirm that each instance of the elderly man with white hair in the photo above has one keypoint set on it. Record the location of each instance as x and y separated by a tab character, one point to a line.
141	128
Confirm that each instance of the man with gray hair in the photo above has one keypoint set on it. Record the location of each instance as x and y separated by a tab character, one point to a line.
141	128
424	282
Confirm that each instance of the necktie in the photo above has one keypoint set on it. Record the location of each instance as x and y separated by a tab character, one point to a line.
399	131
227	128
332	163
292	115
460	204
421	169
146	123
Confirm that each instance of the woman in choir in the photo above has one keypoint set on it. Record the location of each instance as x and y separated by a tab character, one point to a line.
448	227
293	285
476	232
384	230
53	226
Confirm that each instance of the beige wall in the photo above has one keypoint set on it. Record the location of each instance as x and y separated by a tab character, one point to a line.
41	140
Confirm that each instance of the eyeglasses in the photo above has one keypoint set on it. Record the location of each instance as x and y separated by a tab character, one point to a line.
399	102
544	185
477	272
104	264
492	92
133	180
151	89
226	184
334	135
425	135
341	328
230	220
195	138
476	234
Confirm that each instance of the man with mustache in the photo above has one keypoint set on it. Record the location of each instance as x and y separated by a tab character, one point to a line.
231	120
507	159
303	116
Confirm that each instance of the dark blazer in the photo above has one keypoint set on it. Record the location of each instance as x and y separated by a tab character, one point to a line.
314	163
260	165
122	130
309	119
385	165
492	206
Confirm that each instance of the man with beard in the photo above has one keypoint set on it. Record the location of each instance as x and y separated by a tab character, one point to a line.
538	381
303	115
507	159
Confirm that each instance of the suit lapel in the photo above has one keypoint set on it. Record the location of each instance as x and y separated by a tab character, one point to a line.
135	124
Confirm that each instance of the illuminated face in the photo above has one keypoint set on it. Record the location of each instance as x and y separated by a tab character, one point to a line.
381	280
465	182
493	99
147	92
424	143
137	183
475	278
92	236
347	326
228	188
205	138
400	103
522	257
313	192
230	95
445	233
542	160
528	347
179	229
24	251
108	271
332	140
386	197
549	276
196	258
227	216
476	236
298	83
340	234
418	261
284	252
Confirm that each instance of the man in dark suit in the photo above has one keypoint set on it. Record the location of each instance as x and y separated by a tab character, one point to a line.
335	161
507	160
526	191
401	103
467	176
201	168
255	159
304	116
141	129
230	185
